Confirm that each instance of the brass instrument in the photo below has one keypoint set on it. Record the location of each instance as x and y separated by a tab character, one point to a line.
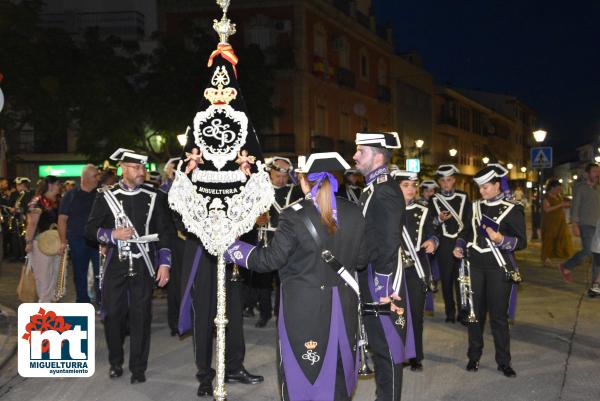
101	261
466	293
236	277
363	342
60	288
124	247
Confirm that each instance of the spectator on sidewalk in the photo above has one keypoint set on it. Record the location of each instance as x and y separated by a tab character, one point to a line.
585	212
75	208
42	214
556	239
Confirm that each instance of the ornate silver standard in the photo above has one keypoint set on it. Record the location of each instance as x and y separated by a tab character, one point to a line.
218	202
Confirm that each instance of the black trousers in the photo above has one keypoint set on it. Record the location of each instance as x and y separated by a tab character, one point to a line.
416	296
174	286
259	289
204	310
448	265
491	293
127	304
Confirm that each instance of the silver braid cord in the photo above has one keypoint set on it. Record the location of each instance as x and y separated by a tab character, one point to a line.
221	321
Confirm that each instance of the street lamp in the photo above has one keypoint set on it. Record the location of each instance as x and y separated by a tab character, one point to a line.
453	152
419	143
509	166
523	169
539	135
485	160
575	177
597	159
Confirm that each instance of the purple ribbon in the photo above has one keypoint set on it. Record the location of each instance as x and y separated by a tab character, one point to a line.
317	178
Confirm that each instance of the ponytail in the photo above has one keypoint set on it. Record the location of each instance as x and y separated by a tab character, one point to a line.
323	199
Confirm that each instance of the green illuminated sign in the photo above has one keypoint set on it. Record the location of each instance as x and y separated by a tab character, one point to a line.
61	170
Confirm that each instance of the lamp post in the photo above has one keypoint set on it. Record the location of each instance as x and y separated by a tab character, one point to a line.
539	136
485	160
419	144
453	152
509	166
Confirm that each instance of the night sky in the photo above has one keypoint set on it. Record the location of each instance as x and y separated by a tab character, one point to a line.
547	53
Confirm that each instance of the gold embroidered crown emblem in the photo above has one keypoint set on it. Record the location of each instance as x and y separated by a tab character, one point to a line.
311	345
221	94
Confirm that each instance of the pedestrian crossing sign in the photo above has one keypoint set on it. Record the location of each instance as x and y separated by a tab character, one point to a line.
541	157
413	165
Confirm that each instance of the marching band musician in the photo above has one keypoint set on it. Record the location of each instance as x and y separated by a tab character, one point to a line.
449	206
351	190
318	312
18	202
391	339
427	188
126	218
261	284
494	231
419	231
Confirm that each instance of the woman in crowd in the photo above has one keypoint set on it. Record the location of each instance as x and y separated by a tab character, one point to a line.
42	215
556	238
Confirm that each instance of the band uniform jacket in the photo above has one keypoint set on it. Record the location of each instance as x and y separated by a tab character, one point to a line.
147	209
459	201
510	216
318	312
350	192
418	221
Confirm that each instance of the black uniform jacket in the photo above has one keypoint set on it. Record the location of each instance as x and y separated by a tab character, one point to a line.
418	221
511	219
147	209
459	201
307	281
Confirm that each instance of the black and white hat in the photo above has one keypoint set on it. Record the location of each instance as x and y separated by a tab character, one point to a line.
320	162
447	170
21	180
128	156
351	171
403	175
387	140
429	184
489	172
270	164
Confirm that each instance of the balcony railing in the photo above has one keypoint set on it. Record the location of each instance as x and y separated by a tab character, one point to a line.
346	77
278	143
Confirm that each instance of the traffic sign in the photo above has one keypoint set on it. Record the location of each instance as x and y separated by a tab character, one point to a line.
541	157
413	165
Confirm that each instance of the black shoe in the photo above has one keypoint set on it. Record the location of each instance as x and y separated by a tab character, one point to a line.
473	365
248	312
261	323
450	320
115	371
507	370
415	366
173	333
138	378
205	389
242	376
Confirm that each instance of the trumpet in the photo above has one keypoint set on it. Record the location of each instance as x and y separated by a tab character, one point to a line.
60	288
466	293
124	247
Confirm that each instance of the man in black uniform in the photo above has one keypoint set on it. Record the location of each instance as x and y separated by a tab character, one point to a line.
391	339
261	284
127	217
448	207
351	190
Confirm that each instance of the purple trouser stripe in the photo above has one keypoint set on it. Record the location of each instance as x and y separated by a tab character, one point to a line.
429	302
512	302
185	310
399	350
104	268
298	386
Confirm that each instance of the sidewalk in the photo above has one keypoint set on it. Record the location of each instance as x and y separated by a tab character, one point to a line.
555	347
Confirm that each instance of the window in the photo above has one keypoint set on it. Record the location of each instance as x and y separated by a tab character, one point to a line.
342	47
320	117
364	65
464	118
382	75
320	41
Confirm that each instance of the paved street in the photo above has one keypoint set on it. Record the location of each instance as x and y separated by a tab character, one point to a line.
555	347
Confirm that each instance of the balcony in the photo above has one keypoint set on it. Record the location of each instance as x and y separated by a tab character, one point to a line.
346	77
384	93
321	143
278	143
